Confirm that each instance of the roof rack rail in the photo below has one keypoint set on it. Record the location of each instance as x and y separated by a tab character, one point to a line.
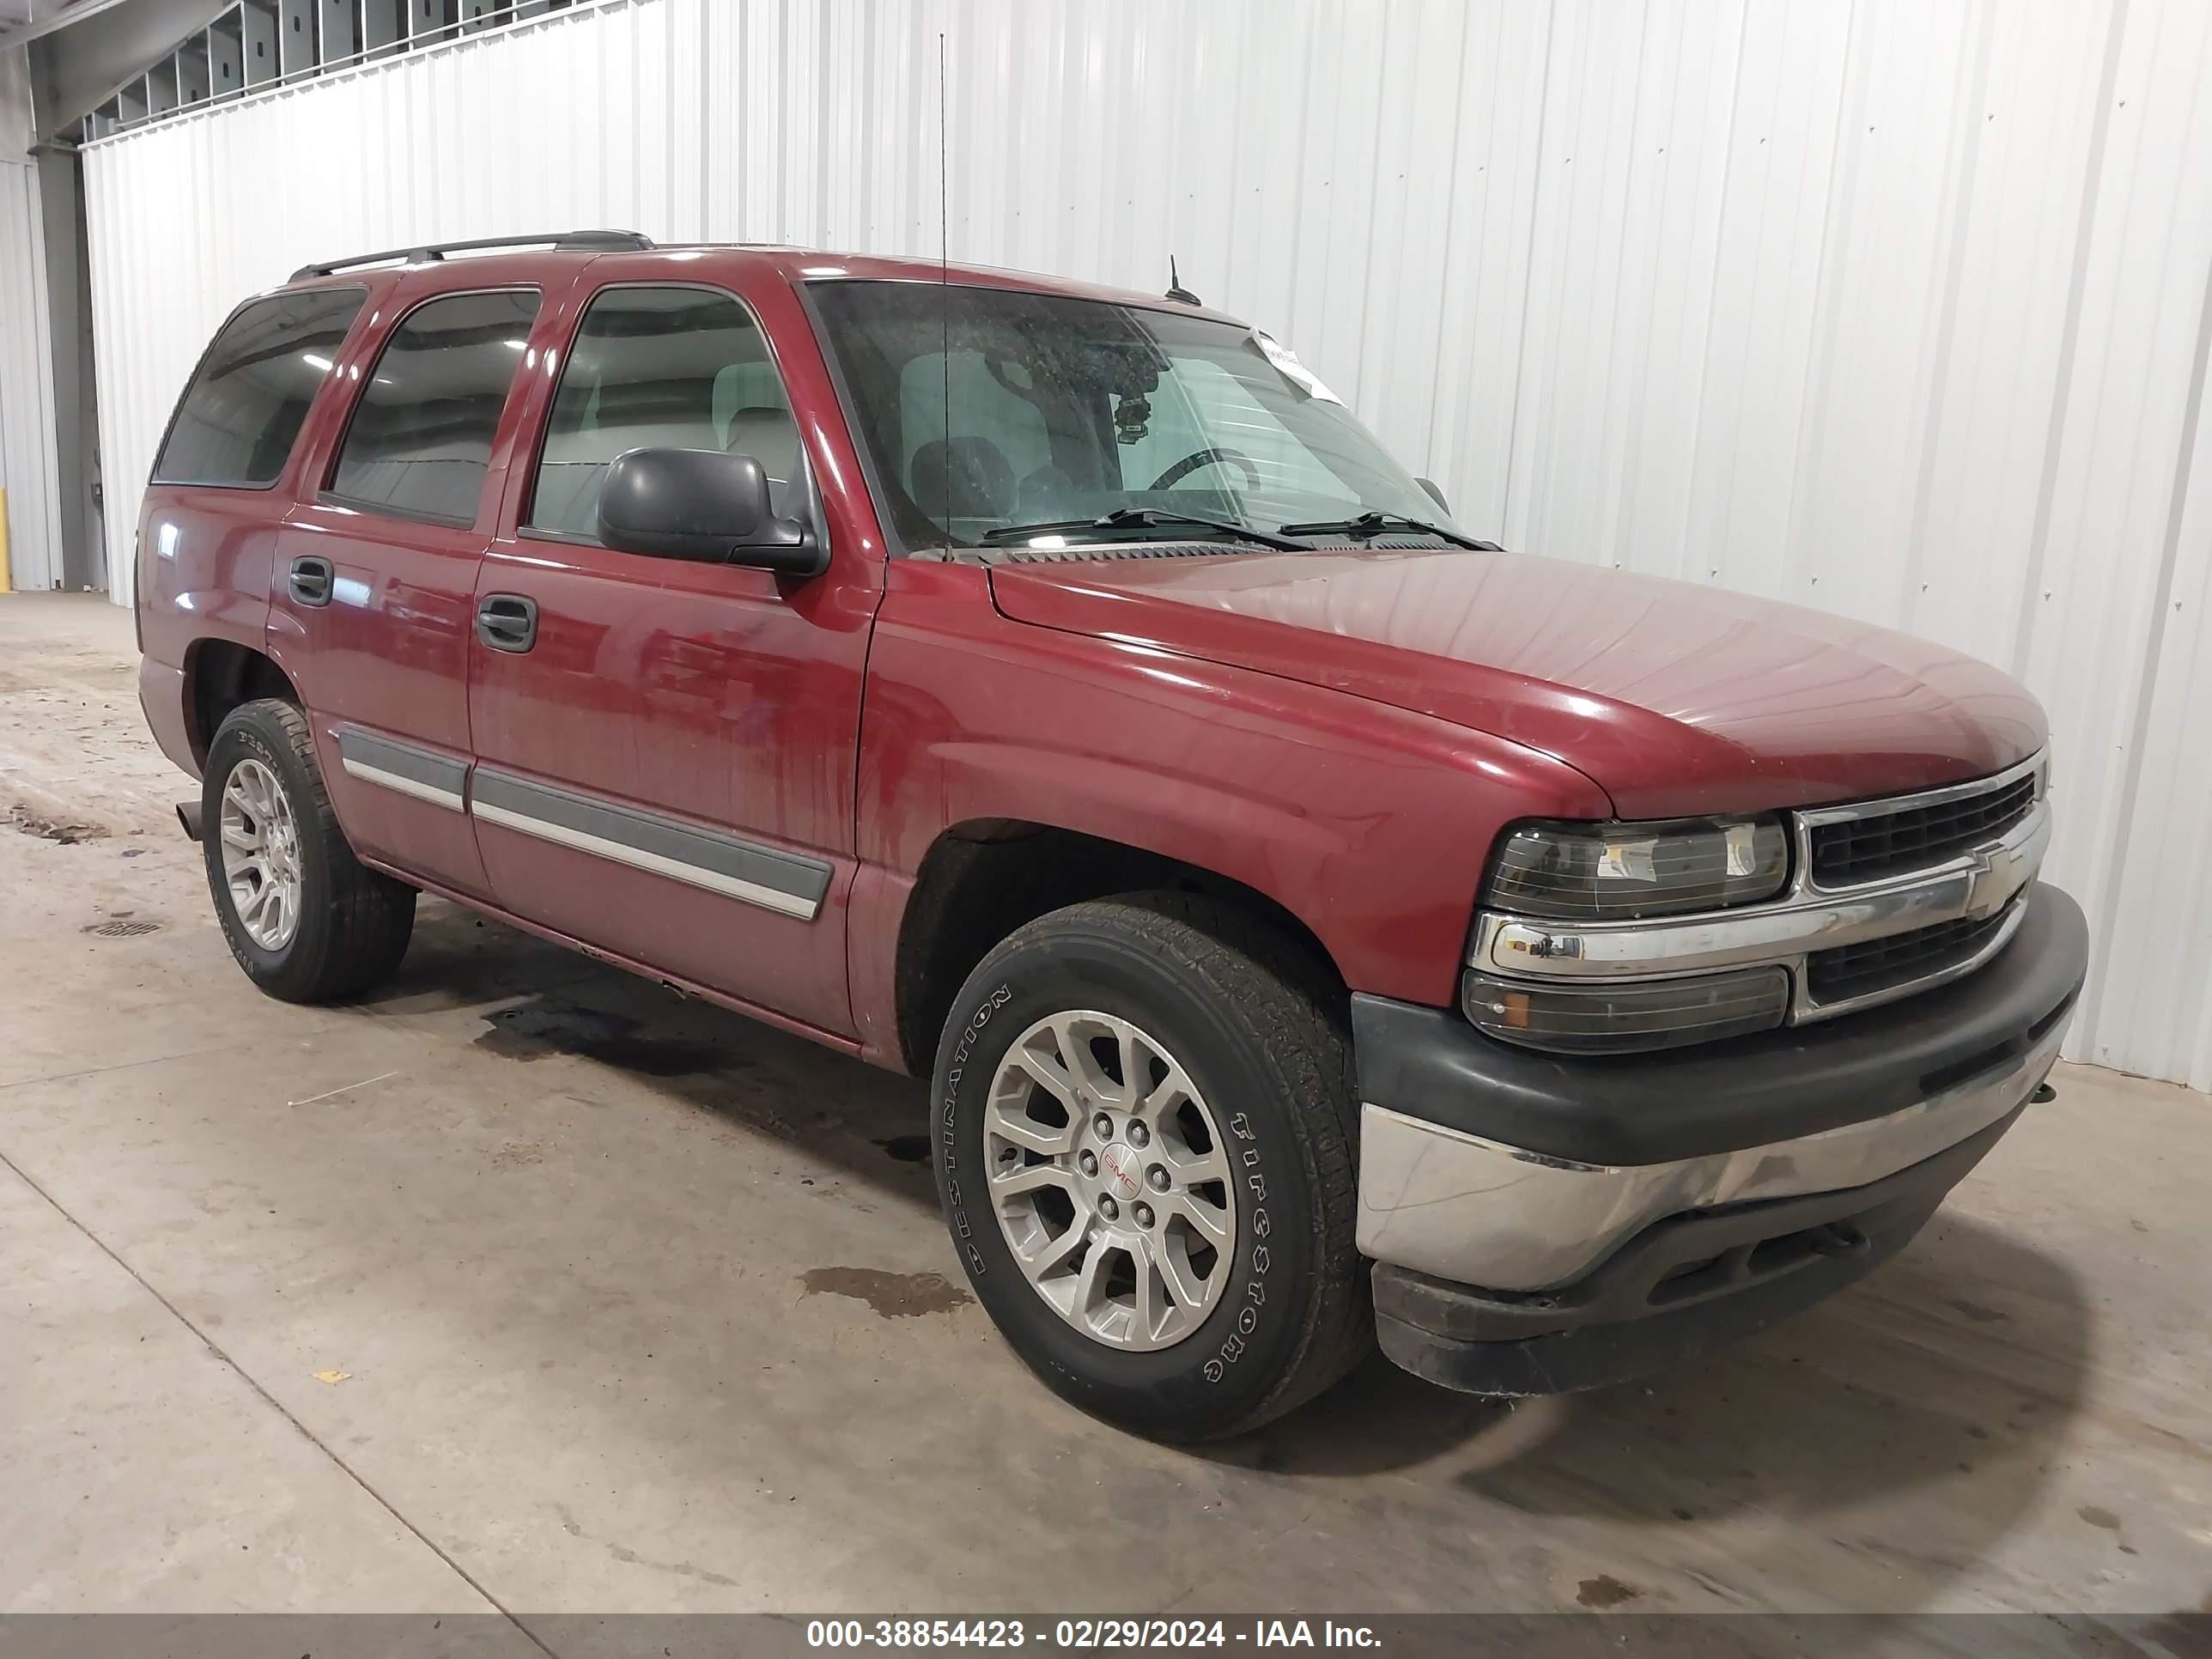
594	241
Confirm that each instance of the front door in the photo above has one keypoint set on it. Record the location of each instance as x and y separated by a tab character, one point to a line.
375	579
665	761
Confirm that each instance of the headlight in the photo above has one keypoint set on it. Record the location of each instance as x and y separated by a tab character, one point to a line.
1626	1018
1592	872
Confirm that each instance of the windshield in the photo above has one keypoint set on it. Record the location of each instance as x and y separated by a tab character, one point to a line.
1067	410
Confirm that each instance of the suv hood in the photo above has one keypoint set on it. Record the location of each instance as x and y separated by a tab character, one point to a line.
1675	698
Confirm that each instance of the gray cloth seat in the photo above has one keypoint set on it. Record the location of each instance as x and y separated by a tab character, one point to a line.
770	436
961	478
567	497
568	492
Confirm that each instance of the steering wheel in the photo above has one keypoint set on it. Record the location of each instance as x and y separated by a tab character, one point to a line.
1197	457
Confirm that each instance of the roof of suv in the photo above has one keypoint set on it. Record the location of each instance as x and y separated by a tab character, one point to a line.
512	257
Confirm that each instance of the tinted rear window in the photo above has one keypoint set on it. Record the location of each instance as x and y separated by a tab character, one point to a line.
421	436
244	408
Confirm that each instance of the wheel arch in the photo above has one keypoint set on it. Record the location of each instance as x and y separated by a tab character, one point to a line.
983	878
221	674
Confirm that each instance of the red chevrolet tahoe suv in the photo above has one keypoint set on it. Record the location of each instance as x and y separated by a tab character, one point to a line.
1314	920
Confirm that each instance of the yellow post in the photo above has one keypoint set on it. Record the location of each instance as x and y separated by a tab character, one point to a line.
3	541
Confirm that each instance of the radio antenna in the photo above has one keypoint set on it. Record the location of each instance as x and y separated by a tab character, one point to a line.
945	278
1175	289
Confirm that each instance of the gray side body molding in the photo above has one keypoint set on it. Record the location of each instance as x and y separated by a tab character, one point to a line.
786	883
421	773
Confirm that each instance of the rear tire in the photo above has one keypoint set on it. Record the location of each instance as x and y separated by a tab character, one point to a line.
306	919
1219	1019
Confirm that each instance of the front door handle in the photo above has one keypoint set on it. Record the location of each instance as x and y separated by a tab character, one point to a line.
506	622
311	580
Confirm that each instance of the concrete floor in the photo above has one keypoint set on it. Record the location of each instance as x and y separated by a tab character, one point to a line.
526	1285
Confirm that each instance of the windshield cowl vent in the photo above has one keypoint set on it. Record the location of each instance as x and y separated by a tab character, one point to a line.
1184	549
1111	550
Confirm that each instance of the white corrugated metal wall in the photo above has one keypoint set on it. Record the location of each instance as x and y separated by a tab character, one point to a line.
1898	308
28	473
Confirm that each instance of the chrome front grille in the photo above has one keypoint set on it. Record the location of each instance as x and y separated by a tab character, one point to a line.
1847	851
1854	971
1885	898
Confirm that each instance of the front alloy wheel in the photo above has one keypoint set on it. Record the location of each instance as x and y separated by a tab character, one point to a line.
1143	1123
1109	1179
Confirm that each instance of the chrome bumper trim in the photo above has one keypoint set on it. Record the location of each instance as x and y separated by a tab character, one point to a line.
1478	1212
1972	886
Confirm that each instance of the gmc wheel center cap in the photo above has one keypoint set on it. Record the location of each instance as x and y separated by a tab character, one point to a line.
1122	1172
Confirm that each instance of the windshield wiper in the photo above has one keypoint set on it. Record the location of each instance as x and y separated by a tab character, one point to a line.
1142	518
1368	526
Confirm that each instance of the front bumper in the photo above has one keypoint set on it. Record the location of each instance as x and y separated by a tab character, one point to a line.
1675	1290
1497	1178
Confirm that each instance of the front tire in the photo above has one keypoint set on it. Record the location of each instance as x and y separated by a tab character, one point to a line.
306	919
1145	1121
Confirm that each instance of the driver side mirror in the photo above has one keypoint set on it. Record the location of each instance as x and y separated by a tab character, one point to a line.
704	505
1435	495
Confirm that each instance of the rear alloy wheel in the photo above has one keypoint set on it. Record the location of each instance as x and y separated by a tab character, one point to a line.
260	842
306	919
1143	1128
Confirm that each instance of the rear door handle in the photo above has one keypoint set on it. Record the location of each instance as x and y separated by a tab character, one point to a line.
311	580
506	622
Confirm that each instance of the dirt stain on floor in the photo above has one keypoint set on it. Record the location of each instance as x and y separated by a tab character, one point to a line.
1605	1591
893	1296
2097	1516
548	1026
519	1155
66	832
907	1149
630	1557
1977	1312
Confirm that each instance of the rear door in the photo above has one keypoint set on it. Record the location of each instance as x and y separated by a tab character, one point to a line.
666	765
375	576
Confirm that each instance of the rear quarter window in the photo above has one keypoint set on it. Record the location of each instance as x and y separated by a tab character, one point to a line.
239	417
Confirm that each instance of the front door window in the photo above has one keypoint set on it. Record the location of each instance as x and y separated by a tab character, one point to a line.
662	368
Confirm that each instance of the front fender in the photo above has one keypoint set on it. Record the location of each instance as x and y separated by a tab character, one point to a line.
1370	824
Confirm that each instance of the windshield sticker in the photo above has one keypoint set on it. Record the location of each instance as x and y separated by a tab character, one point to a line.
1288	365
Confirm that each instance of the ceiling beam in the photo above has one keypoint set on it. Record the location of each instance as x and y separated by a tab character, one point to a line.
62	15
75	71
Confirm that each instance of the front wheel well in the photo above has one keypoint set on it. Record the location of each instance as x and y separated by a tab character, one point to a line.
221	674
985	877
